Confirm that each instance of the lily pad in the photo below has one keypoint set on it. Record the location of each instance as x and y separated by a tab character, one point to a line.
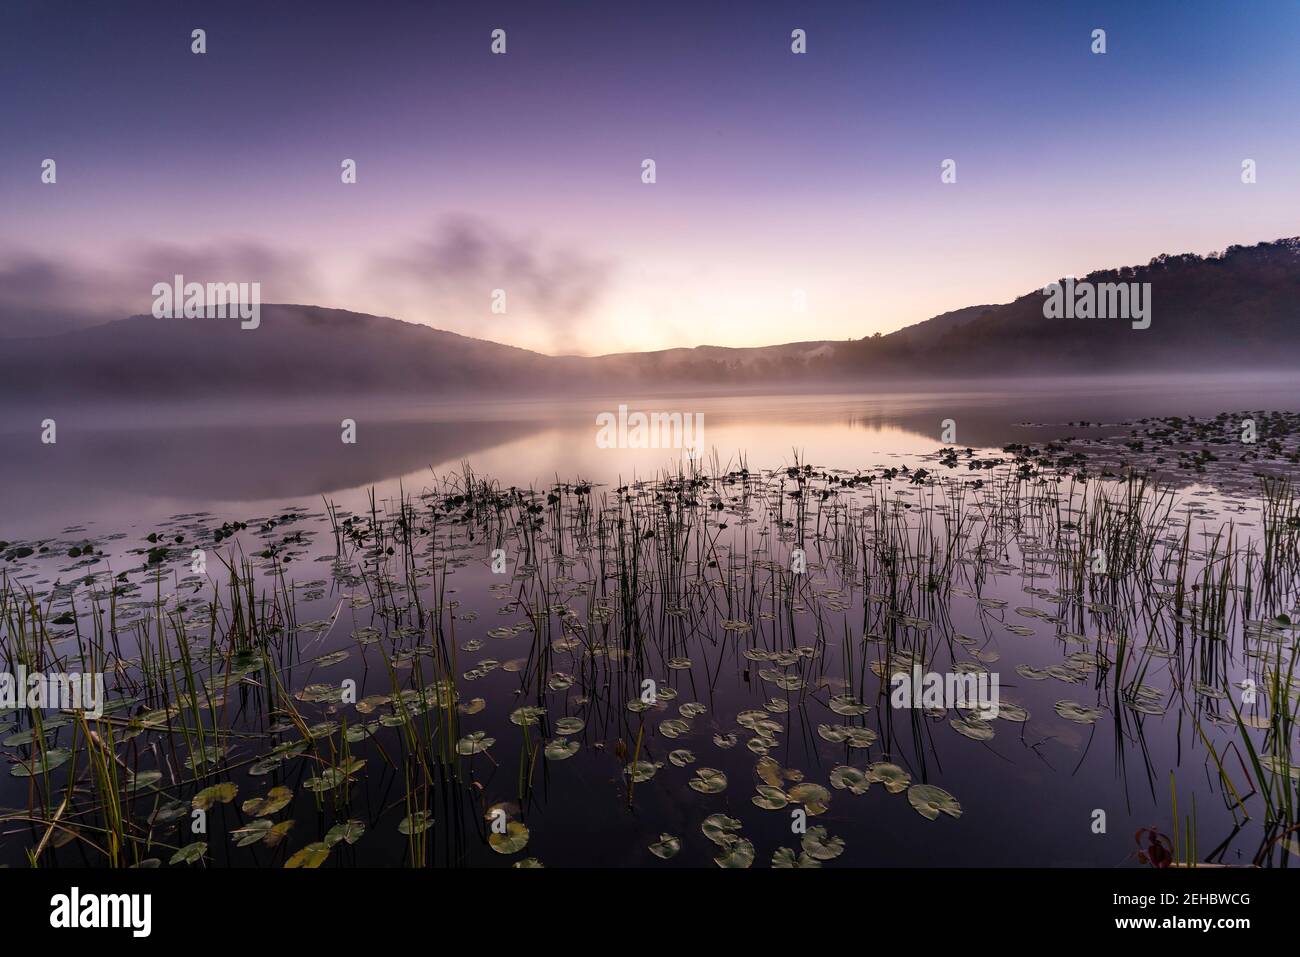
216	794
786	858
770	798
190	853
513	840
820	847
894	778
569	726
560	748
667	846
856	781
674	727
738	854
641	771
973	728
709	781
1073	711
311	856
929	801
474	743
276	798
349	831
252	832
720	829
416	823
41	763
814	798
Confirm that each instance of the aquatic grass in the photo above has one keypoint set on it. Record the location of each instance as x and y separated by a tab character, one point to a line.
684	578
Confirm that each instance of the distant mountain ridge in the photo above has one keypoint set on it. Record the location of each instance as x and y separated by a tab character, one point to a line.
1239	309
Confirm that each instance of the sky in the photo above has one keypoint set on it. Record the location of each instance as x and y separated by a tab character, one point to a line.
781	179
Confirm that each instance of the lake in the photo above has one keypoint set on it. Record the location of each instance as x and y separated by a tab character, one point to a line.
474	637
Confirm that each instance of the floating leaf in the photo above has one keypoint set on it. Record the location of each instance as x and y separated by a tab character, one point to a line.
278	833
674	727
854	780
667	846
973	728
416	823
1073	711
143	780
821	848
311	856
785	858
216	794
894	778
640	771
847	704
252	832
1012	712
736	855
276	798
205	756
834	733
527	715
474	743
860	737
770	798
814	798
560	748
513	840
709	781
327	780
569	726
718	828
930	800
349	831
190	853
769	771
368	704
42	763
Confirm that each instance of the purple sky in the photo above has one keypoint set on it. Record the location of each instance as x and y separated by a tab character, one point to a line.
776	172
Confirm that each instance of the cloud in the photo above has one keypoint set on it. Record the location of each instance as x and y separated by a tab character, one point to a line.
454	269
444	278
44	295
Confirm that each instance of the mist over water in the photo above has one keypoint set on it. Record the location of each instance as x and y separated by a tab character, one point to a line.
128	462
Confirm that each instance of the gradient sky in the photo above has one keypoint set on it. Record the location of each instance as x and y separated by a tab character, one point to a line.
776	172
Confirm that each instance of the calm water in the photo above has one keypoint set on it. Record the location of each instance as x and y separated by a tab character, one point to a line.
114	466
1027	794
